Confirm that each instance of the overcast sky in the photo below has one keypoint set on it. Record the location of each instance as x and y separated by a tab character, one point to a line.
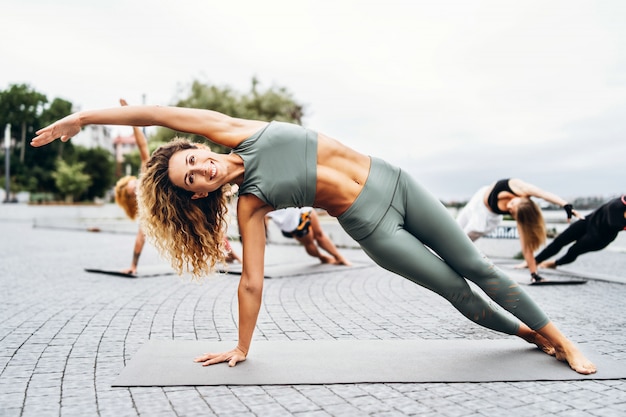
459	92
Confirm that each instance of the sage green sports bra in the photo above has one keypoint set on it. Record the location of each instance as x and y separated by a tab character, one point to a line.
280	164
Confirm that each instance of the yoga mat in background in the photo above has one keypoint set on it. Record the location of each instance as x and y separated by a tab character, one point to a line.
296	269
170	363
552	277
143	271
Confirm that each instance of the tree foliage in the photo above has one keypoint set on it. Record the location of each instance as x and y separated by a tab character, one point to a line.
99	164
20	106
71	180
27	111
33	169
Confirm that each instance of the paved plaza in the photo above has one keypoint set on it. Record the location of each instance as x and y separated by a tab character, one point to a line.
66	334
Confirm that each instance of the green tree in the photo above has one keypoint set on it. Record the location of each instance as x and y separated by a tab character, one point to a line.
274	103
40	163
26	110
71	180
100	166
20	106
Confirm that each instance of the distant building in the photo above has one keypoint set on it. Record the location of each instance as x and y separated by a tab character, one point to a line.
95	136
123	145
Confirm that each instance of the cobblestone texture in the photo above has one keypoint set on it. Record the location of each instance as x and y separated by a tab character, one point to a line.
66	334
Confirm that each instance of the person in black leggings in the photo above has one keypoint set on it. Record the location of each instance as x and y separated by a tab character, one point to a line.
594	232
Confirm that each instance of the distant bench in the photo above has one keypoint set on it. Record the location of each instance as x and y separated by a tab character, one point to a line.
504	232
510	232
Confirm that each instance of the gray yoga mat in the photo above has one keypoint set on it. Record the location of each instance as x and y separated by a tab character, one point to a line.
552	277
170	363
147	271
296	269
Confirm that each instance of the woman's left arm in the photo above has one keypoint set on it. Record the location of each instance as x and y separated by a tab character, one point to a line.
251	219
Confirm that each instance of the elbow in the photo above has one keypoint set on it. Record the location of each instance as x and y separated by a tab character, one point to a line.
250	287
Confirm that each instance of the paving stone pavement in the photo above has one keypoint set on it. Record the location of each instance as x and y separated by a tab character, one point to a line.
66	334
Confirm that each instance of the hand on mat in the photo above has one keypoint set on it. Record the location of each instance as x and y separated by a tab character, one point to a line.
232	357
535	277
132	270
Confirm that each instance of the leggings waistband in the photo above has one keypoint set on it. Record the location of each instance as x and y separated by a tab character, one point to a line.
362	217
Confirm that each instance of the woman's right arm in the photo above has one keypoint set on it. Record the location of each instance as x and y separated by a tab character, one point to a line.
525	189
215	126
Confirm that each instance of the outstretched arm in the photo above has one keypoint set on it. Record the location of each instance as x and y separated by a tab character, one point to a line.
140	139
217	127
525	189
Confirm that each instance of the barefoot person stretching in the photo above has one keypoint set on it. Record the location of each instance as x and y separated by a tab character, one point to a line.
512	196
398	223
303	224
593	233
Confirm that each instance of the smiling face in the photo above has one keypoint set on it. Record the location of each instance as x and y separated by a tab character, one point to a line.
188	230
197	170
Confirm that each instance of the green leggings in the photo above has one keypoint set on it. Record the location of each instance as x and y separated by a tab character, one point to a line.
406	230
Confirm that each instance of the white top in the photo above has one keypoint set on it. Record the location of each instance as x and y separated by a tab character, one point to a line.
288	219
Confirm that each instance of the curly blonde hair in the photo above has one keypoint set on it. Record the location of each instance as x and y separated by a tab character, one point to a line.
531	224
126	200
188	232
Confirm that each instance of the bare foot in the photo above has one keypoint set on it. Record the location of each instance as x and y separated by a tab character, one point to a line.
521	265
548	264
577	361
541	342
230	258
327	260
342	261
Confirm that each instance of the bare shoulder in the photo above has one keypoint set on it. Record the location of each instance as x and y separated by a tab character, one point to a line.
231	131
523	188
250	206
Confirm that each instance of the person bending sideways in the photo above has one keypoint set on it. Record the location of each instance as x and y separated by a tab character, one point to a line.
303	224
593	233
512	196
399	224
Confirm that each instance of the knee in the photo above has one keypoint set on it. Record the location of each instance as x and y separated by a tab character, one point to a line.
318	234
477	268
458	295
